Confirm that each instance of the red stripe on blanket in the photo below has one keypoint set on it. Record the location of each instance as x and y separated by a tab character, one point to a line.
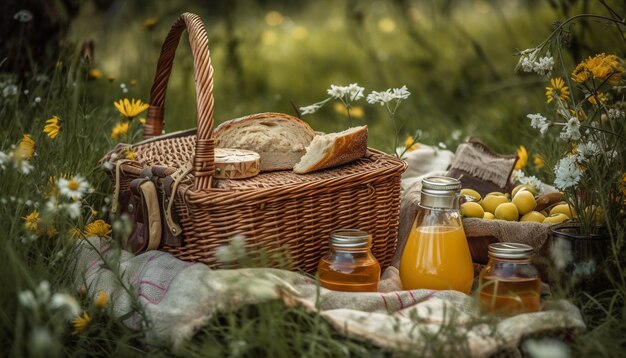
413	297
384	301
399	299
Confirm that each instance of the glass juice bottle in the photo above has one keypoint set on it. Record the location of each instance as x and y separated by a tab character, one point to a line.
509	284
349	265
436	255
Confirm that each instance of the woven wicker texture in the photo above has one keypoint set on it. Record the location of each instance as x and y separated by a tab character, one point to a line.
274	211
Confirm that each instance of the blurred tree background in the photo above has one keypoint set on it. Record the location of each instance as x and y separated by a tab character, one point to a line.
455	56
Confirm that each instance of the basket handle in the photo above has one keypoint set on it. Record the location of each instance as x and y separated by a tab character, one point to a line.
203	161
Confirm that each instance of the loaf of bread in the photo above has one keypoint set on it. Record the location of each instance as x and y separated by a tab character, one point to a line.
280	139
333	149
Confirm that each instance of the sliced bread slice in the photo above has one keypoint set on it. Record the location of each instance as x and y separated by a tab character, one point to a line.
333	149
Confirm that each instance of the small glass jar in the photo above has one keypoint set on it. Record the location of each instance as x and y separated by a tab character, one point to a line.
349	265
509	284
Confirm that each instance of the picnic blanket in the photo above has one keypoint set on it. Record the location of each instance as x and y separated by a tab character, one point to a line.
181	297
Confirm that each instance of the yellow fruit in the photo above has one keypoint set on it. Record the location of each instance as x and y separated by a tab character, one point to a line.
507	211
525	201
533	216
488	216
564	209
491	201
472	210
472	193
528	187
555	219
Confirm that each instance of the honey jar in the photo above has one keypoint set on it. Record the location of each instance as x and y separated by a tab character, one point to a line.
509	284
349	265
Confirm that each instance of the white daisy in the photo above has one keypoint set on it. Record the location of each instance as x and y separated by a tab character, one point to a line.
73	188
567	174
571	130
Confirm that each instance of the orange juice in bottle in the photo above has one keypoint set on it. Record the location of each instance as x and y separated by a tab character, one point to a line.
436	255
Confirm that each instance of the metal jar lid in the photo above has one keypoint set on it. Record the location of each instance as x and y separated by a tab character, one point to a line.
440	192
350	238
510	250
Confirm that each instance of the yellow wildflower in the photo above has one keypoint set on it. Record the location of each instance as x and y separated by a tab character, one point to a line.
98	228
410	144
150	23
120	130
601	67
52	127
558	89
130	154
102	298
25	148
95	73
130	108
142	120
81	322
538	161
600	96
31	221
522	160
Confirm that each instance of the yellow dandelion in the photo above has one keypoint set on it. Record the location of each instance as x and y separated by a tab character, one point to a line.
81	322
132	108
98	228
95	74
142	120
52	127
410	144
522	159
538	161
31	221
150	23
101	300
601	67
558	89
120	130
25	148
601	96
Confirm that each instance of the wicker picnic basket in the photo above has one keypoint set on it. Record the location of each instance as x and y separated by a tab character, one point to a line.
274	210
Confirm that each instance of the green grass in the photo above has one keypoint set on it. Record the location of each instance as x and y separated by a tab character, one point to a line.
435	51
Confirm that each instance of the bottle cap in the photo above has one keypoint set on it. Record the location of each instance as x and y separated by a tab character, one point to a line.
440	192
510	250
350	238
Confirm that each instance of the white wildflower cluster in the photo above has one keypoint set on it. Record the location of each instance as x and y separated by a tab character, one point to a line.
587	150
349	93
233	251
615	114
123	88
73	209
21	165
354	92
567	173
530	62
385	97
539	122
41	298
571	129
9	88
